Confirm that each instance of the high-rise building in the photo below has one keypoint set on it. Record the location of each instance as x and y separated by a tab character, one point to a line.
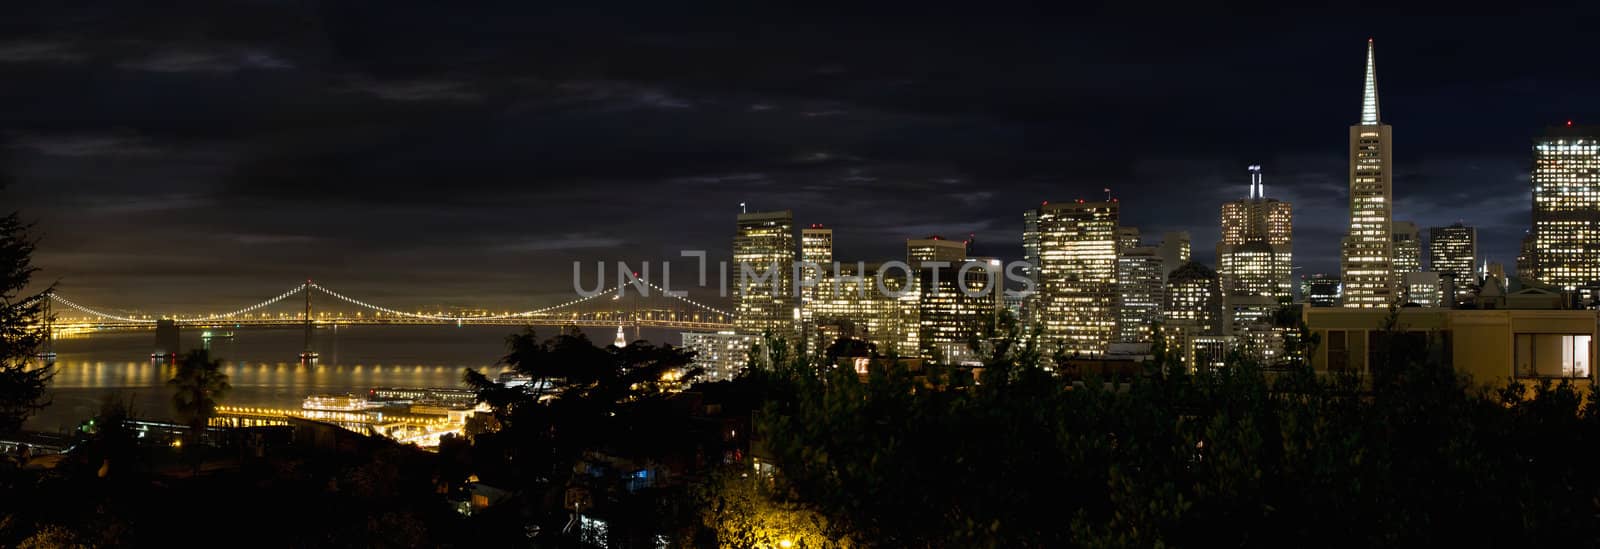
1255	256
816	246
1453	253
1254	260
816	256
1194	296
1141	280
1030	243
1078	275
1527	259
763	273
934	248
1367	252
1425	289
1192	316
954	305
1407	247
1174	249
1566	207
919	251
851	305
722	354
1322	290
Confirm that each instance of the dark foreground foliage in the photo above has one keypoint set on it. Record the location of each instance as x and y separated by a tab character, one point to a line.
1410	456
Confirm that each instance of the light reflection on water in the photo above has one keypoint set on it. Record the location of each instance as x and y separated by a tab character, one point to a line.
263	367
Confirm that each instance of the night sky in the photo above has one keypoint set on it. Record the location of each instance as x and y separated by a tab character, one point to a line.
215	154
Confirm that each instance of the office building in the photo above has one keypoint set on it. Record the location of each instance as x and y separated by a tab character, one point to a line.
1192	316
934	248
954	306
1255	255
1194	297
1407	242
763	273
1424	289
1078	275
1453	253
1141	281
1527	259
1566	207
1322	290
816	247
850	305
816	256
1030	243
1367	252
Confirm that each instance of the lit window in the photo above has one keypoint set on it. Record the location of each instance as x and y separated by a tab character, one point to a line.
1553	355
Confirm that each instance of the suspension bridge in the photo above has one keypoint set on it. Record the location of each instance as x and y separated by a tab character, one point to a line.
602	309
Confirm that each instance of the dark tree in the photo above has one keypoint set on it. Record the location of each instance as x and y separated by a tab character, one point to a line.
196	388
23	328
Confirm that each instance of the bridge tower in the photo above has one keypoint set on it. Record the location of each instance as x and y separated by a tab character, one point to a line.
310	353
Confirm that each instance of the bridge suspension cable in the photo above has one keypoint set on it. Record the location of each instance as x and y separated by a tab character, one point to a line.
307	286
533	312
687	300
69	303
252	308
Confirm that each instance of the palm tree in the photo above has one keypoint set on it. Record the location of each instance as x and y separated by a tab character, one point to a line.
197	386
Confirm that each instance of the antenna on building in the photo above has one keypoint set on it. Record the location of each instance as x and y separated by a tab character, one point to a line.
742	209
1257	188
1108	194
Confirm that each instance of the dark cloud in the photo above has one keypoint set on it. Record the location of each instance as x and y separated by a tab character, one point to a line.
200	154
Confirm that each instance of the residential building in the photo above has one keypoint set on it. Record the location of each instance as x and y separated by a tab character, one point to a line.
722	355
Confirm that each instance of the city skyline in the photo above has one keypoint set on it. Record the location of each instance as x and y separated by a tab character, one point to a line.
204	213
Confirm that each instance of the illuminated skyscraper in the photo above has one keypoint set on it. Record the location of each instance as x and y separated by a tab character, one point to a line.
1407	248
1367	252
764	245
1141	279
1566	207
816	256
1255	255
1194	296
1078	275
851	304
816	246
1254	259
934	248
1192	315
947	316
1453	253
1030	243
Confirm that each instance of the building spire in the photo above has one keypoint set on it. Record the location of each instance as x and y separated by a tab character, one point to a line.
1369	93
1257	189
